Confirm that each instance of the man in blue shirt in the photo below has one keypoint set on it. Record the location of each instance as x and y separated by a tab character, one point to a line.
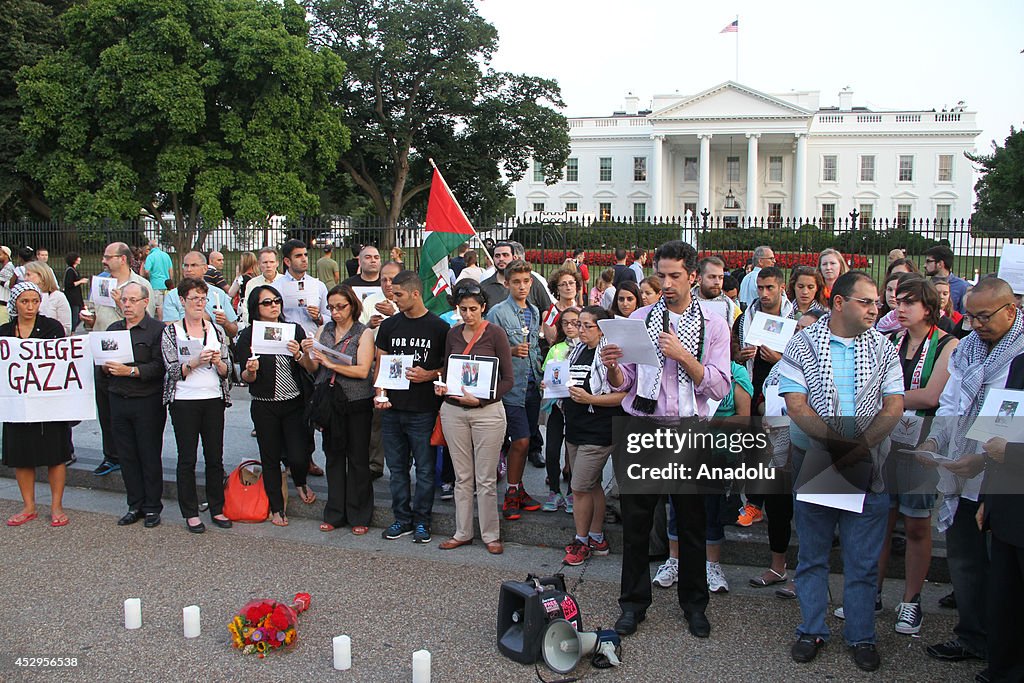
158	269
763	257
841	357
218	304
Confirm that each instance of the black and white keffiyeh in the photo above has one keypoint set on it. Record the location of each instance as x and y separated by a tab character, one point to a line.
598	372
795	313
691	335
810	353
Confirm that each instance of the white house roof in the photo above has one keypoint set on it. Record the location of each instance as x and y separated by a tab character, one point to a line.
727	101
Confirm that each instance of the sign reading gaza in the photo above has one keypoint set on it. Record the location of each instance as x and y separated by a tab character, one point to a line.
46	380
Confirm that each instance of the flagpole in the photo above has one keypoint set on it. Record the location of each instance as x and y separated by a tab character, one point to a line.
475	233
737	48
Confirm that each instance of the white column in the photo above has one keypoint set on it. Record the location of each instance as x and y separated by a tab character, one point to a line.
655	173
800	176
752	206
704	173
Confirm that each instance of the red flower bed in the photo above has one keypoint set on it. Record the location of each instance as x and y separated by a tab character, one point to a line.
733	259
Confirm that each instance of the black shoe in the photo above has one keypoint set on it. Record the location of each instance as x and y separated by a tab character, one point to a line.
950	651
222	523
627	622
948	601
152	520
130	518
197	529
105	468
537	460
700	627
865	656
805	649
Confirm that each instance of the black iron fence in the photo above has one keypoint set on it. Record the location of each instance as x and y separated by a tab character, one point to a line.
550	238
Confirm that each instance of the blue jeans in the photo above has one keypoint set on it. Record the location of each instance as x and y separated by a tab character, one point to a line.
405	436
861	537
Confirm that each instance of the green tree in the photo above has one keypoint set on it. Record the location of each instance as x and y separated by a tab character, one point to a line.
202	109
31	31
1000	189
418	87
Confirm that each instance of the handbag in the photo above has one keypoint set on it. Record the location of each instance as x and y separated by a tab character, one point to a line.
320	403
245	499
437	436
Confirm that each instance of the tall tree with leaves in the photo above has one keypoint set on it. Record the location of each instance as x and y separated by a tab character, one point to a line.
30	32
417	86
1000	189
200	109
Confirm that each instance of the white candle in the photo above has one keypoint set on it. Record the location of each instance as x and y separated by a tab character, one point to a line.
421	666
191	618
132	613
342	653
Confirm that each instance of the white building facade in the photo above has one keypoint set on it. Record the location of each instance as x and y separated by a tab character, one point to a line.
739	153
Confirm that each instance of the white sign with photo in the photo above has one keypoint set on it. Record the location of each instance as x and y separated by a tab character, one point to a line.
771	331
272	338
101	292
363	292
478	374
556	379
391	373
1011	266
332	355
1001	416
189	349
115	347
46	380
298	294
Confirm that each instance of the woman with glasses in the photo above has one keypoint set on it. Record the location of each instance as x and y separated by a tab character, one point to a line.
565	285
277	406
589	411
28	445
568	335
343	410
196	392
627	300
475	427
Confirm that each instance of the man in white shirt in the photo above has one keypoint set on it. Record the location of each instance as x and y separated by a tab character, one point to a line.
266	260
305	297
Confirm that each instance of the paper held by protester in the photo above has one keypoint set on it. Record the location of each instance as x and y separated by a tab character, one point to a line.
1001	416
771	331
630	335
391	373
272	338
332	355
1011	266
556	379
113	347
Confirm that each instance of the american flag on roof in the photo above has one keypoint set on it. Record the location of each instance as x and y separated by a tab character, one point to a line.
733	27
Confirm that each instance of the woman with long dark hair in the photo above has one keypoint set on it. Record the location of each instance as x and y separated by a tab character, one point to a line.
627	299
277	407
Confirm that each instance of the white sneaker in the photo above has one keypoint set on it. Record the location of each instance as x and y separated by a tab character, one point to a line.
668	573
716	578
841	614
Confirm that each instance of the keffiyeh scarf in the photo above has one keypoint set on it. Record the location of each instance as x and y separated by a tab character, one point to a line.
18	290
977	366
691	335
598	372
795	313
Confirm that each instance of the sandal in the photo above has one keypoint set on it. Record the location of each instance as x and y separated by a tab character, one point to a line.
59	520
280	521
763	582
21	518
360	530
787	593
325	526
307	496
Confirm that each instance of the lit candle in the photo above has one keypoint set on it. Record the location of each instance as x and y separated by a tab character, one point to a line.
191	618
132	613
342	653
421	666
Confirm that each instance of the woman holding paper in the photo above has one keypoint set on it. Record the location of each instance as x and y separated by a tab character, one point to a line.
588	435
55	305
196	392
343	409
28	445
474	427
277	407
565	286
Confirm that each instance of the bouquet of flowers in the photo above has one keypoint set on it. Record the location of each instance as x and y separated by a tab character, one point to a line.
263	626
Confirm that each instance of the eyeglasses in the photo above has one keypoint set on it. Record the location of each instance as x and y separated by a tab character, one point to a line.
338	307
570	323
767	258
983	318
866	302
588	326
567	283
272	302
197	299
110	256
132	300
929	260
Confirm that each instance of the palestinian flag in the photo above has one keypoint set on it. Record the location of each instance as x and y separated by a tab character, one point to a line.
447	227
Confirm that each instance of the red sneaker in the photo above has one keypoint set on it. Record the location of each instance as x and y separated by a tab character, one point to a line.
526	502
576	553
510	507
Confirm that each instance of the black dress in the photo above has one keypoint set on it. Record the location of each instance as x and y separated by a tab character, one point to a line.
36	444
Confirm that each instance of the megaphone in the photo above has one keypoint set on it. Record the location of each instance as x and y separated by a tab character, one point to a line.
563	646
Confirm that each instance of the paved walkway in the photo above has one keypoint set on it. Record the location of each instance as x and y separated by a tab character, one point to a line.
64	590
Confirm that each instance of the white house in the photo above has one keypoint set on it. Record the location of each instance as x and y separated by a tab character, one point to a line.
737	152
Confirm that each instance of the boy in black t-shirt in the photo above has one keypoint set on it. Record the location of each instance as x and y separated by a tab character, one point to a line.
408	415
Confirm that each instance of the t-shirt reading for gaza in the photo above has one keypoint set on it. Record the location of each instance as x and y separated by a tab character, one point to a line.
582	427
422	338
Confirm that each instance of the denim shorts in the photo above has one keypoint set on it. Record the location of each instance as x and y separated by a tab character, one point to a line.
517	424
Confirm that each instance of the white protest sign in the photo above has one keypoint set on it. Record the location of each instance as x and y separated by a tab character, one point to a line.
46	380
